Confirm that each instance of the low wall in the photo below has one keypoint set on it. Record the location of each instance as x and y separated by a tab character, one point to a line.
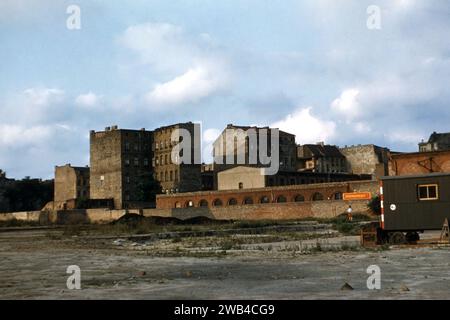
269	211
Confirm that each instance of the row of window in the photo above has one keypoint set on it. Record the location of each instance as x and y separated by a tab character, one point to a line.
136	162
167	176
164	160
249	200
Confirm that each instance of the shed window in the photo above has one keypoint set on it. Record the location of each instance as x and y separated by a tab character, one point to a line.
428	192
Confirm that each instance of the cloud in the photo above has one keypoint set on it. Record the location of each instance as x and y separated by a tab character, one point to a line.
196	69
195	84
15	136
89	99
347	104
307	127
43	96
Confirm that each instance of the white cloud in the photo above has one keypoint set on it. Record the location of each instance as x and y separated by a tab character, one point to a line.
89	99
193	85
347	104
306	127
18	136
43	96
196	69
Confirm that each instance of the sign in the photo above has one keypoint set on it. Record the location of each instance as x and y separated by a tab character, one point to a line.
357	196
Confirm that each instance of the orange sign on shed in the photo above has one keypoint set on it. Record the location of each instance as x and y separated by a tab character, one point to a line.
357	196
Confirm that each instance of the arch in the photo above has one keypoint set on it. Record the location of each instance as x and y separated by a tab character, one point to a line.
248	200
264	199
189	204
203	203
232	202
337	196
281	199
177	204
317	197
299	198
217	203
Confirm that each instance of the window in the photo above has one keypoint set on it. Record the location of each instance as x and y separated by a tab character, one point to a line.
171	175
317	197
428	192
248	200
265	199
232	202
189	204
176	175
338	196
127	162
241	185
299	198
281	199
127	146
146	162
217	203
177	205
136	162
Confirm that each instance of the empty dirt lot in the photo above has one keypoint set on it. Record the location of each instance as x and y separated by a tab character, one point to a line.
311	264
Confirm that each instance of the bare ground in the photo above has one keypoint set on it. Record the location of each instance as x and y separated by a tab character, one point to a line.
276	265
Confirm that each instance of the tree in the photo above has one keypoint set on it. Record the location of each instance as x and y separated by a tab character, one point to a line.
28	194
375	204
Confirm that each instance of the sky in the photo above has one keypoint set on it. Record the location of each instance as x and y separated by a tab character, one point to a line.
326	70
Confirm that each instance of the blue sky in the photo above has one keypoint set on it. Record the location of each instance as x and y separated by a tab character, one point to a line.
309	67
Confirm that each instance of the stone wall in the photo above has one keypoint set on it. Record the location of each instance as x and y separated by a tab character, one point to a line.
367	159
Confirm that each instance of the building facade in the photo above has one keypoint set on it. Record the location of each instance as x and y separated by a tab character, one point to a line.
71	183
241	145
243	177
436	142
367	159
419	163
320	158
120	162
176	175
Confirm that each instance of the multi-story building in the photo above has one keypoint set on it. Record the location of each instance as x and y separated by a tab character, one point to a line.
320	158
436	142
71	183
234	147
176	175
120	162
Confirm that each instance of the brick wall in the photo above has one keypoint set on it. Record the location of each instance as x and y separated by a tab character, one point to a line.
419	163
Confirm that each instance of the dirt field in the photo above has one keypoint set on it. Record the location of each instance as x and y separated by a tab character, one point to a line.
311	264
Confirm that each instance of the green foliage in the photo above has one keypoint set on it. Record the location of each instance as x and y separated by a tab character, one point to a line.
28	194
375	205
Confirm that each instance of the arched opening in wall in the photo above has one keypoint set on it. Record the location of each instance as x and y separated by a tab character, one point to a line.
217	203
281	199
317	197
264	199
189	204
232	202
177	204
299	198
337	196
248	200
203	203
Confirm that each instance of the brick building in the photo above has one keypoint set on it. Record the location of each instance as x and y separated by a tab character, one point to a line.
120	162
71	183
367	159
262	196
177	177
320	158
419	163
436	142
